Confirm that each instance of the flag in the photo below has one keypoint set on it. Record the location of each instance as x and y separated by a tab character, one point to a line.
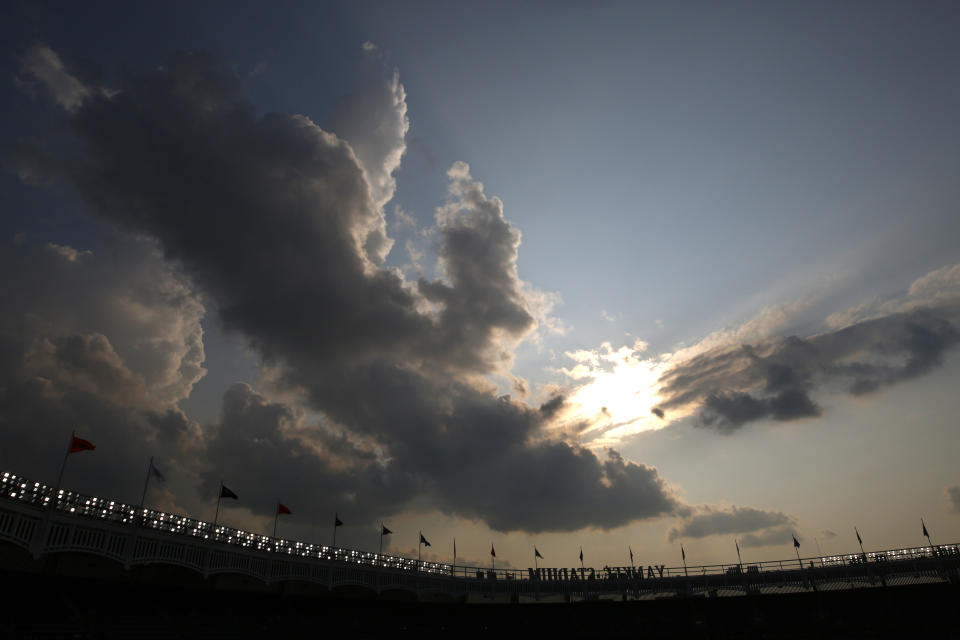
79	444
683	554
226	493
631	553
282	509
737	546
796	543
454	550
492	551
536	553
336	521
156	473
858	535
926	535
385	531
424	540
581	554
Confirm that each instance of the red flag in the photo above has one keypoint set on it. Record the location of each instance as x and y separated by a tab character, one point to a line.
281	509
79	444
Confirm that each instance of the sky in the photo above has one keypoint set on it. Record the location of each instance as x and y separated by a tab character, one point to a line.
611	275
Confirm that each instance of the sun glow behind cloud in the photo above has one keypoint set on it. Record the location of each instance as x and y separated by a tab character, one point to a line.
618	392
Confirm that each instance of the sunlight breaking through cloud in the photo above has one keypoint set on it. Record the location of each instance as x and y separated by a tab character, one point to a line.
618	393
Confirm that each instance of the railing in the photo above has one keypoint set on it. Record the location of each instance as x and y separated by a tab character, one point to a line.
805	573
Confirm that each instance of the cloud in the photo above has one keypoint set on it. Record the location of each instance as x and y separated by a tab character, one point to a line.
757	527
776	536
775	378
42	65
102	343
953	498
373	121
74	311
280	224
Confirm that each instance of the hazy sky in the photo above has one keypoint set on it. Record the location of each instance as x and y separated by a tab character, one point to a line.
564	274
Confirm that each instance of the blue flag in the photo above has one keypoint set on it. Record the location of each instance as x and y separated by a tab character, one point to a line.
423	540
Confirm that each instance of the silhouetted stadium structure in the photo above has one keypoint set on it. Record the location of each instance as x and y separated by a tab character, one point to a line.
73	546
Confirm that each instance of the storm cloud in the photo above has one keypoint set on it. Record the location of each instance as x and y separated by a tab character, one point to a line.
280	225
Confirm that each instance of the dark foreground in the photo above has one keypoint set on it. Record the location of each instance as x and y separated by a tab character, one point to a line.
54	606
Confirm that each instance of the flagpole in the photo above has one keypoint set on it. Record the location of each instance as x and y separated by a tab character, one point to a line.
683	555
143	496
336	516
419	547
739	558
536	574
276	519
146	481
64	464
453	569
380	552
216	514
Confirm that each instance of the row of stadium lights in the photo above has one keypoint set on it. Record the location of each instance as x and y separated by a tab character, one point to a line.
180	524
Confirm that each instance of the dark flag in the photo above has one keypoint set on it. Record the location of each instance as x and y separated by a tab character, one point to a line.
282	509
581	554
858	535
631	554
683	554
925	534
79	444
536	553
737	546
226	493
156	472
492	551
336	521
796	543
424	540
385	531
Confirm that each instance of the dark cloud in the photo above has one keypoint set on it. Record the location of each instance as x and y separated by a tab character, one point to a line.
551	406
728	411
708	521
953	498
277	222
775	379
59	372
